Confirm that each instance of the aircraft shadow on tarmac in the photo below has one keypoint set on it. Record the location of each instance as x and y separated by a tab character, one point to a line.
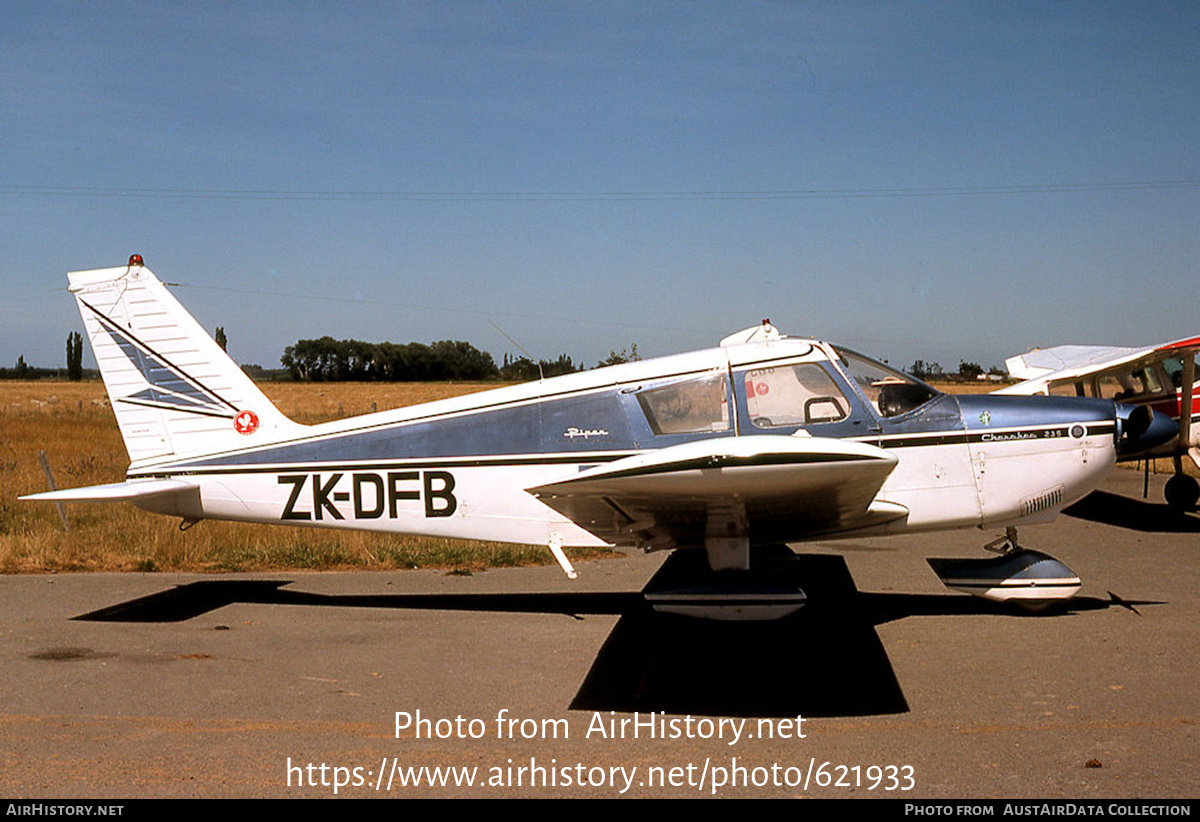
1134	514
826	660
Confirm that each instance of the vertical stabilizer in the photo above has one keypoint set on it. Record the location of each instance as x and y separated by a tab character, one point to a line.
175	393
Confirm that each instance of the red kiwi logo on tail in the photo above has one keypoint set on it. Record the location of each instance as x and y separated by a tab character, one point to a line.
246	422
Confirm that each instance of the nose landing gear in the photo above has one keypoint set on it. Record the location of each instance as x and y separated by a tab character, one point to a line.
1031	580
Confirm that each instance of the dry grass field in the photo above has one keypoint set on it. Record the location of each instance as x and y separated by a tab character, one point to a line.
73	424
311	403
966	387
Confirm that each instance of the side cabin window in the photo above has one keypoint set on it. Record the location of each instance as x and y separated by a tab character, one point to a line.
1068	388
688	407
1150	380
1173	371
1123	385
790	395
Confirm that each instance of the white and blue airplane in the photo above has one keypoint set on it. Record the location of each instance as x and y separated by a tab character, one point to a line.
766	439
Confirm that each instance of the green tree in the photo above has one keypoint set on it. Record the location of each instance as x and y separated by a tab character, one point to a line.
220	337
459	360
617	357
924	370
75	356
523	368
330	359
969	370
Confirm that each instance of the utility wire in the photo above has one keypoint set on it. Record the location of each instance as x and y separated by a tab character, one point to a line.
426	307
593	196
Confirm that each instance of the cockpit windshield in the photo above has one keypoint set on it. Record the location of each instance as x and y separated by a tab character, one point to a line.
891	393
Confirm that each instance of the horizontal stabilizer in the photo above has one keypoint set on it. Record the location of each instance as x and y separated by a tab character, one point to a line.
117	491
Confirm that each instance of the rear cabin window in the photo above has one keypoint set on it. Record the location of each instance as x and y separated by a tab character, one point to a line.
792	395
687	407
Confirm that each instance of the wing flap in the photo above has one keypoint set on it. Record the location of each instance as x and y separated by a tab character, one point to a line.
767	488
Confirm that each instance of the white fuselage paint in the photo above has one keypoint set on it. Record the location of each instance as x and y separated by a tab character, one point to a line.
942	486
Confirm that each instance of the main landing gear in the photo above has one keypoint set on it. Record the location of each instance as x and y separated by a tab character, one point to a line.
1182	492
1031	580
766	590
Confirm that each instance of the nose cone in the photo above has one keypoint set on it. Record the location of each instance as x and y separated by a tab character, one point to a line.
1142	430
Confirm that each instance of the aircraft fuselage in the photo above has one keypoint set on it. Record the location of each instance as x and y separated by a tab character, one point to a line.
464	467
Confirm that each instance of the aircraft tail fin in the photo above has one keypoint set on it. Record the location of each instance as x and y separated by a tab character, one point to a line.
174	392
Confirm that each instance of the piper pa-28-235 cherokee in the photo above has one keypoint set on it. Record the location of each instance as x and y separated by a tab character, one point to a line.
764	440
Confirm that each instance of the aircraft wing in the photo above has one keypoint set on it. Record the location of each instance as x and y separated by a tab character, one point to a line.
1070	360
1181	345
765	488
1064	362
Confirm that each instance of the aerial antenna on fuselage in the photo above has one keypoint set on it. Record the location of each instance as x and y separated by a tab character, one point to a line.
521	348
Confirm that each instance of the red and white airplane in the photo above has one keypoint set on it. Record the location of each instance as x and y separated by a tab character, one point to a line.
1160	377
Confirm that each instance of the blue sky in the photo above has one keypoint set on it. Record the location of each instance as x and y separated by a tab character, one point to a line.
932	180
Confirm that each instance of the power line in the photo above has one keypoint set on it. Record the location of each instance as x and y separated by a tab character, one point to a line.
594	196
449	309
